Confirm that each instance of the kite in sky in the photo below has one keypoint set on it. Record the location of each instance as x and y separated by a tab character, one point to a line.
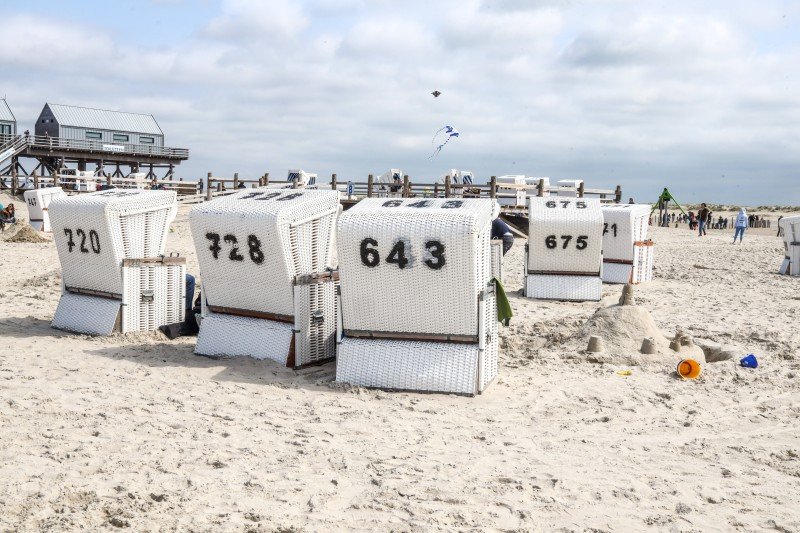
444	134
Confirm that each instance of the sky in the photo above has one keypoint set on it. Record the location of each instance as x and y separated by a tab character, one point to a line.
700	97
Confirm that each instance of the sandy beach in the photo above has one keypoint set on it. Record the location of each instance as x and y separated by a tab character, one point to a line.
136	432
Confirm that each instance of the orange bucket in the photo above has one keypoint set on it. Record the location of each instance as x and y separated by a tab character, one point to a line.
689	369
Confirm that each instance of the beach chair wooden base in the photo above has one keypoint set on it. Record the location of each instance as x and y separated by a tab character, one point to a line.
639	270
154	294
563	287
307	338
405	363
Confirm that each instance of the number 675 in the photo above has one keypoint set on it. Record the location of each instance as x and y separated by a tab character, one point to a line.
580	243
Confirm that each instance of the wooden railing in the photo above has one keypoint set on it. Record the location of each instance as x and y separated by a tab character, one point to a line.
448	189
57	143
216	186
74	184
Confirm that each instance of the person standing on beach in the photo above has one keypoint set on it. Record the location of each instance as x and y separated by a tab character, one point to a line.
780	230
702	219
741	224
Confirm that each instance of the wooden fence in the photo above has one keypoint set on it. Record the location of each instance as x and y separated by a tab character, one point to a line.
216	186
195	191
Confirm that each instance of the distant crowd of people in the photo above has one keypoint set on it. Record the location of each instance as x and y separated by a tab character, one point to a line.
704	219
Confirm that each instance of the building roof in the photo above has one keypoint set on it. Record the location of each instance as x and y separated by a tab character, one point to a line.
5	111
102	119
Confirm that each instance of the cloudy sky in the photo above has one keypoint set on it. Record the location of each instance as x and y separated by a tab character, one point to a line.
705	100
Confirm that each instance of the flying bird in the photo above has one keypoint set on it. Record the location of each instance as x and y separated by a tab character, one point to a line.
436	94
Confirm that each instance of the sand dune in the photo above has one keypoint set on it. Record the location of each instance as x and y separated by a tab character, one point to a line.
137	432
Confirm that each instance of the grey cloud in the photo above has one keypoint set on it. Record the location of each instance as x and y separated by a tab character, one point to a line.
645	97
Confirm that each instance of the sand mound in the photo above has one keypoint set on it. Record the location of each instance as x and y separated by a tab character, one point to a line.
623	328
27	234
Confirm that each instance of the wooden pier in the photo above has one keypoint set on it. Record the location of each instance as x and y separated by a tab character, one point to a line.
51	154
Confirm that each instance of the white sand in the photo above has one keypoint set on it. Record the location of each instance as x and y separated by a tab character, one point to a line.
136	431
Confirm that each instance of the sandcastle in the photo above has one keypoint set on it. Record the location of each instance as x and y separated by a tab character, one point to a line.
628	334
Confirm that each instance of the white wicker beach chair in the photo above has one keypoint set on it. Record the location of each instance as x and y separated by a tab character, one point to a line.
266	262
114	273
564	252
627	253
791	244
38	201
419	310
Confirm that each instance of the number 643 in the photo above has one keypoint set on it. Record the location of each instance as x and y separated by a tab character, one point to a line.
434	254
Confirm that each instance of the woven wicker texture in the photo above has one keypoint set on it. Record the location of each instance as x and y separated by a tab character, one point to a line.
491	335
791	244
639	270
94	232
576	288
315	322
425	366
791	228
89	315
623	225
38	201
443	248
261	246
408	365
166	283
794	260
642	263
565	235
228	335
617	273
497	259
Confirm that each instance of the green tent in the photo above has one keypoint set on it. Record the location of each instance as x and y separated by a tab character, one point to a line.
663	201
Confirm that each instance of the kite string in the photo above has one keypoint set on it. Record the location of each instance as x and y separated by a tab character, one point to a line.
451	133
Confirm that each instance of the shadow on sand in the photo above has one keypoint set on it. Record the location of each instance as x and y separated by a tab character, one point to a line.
180	353
27	327
156	351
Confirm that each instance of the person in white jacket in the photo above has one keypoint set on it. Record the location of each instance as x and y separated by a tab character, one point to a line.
740	225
